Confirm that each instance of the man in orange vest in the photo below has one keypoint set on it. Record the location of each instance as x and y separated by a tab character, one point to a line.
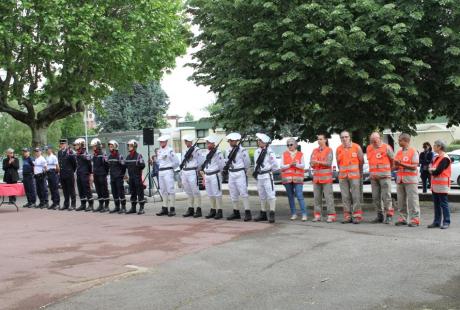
350	161
406	161
380	157
321	162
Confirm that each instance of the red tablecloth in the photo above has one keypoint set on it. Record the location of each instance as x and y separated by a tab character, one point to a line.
12	189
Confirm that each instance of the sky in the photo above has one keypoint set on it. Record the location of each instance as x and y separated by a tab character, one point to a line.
184	95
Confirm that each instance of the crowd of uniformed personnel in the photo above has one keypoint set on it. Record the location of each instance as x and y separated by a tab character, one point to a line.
96	166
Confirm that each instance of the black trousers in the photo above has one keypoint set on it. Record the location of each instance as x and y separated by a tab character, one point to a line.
136	189
53	183
29	186
68	188
84	188
42	190
118	191
426	180
102	190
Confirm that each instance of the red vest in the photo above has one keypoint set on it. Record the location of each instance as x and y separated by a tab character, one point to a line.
440	184
292	174
321	174
379	162
405	175
348	162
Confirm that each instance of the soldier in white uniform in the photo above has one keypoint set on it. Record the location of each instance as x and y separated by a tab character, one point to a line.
167	161
237	163
191	162
263	172
212	167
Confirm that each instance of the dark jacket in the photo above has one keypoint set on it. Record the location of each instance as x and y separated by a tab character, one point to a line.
117	165
27	166
84	163
100	164
67	162
425	159
135	164
11	170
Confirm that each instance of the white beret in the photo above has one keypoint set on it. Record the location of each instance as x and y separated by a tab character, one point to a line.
263	137
212	139
188	138
164	138
233	136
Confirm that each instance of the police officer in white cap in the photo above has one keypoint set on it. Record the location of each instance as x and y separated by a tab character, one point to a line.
265	163
212	167
167	161
237	163
191	162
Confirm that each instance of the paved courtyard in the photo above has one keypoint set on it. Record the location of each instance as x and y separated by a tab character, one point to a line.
77	260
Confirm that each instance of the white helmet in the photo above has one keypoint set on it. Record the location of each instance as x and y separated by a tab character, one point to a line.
114	143
133	143
96	142
80	142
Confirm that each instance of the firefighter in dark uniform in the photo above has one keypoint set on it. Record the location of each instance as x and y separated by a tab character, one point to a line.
84	171
100	171
117	171
28	178
67	164
135	164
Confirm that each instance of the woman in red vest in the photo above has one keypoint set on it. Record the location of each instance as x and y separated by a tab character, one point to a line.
441	171
292	174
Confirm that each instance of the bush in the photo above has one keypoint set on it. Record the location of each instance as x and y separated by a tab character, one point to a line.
453	147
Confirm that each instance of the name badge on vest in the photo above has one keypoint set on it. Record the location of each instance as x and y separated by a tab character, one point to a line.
378	155
405	158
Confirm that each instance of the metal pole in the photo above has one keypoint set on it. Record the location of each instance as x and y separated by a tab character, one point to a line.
85	119
150	176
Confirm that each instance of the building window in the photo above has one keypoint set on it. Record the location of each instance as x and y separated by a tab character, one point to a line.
201	145
250	143
201	133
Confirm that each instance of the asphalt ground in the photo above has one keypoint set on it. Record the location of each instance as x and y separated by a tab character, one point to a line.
77	260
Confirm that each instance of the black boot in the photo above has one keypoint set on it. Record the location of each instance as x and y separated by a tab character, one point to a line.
82	206
141	208
172	211
117	207
52	207
271	217
123	207
261	217
64	207
219	215
211	214
197	213
190	212
164	211
45	205
132	209
235	215
26	205
73	205
378	219
90	205
105	208
247	215
99	207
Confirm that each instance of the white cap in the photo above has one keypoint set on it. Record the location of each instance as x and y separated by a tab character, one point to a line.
164	138
188	138
212	139
95	142
263	137
233	136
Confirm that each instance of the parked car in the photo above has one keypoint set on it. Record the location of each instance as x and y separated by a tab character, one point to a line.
455	157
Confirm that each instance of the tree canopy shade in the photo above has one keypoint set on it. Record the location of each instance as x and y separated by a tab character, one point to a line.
144	106
329	65
62	54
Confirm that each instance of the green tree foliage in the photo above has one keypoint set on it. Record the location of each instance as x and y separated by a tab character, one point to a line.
329	65
58	55
144	106
189	117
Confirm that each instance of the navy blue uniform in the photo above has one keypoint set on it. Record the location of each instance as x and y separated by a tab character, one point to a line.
84	169
29	181
68	165
100	171
135	164
117	171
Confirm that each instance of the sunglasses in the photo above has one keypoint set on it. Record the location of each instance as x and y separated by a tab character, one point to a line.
290	145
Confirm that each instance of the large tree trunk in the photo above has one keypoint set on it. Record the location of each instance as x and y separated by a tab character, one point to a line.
39	135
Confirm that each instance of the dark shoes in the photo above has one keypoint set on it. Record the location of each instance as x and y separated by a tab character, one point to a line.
261	217
190	212
433	226
164	211
219	215
444	226
247	215
235	215
271	217
197	213
172	211
211	214
378	219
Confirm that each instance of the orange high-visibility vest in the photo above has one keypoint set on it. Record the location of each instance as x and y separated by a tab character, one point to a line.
348	162
405	175
440	184
321	174
292	174
379	162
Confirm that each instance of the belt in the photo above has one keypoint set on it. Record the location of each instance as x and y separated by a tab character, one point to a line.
265	172
212	173
167	168
236	170
189	169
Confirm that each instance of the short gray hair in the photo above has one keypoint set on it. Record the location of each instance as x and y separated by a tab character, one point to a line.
10	150
404	136
441	143
294	141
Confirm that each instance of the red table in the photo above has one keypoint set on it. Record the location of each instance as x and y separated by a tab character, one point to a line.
7	190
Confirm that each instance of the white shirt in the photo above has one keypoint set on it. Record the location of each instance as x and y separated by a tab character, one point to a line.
217	162
51	161
196	160
167	158
39	165
269	164
242	159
